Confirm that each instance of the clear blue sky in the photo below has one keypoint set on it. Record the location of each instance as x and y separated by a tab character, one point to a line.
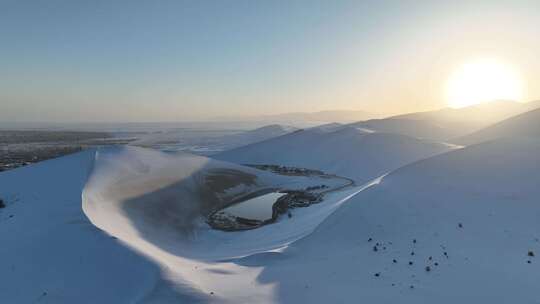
180	60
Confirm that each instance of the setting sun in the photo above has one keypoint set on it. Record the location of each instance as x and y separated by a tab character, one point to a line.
482	81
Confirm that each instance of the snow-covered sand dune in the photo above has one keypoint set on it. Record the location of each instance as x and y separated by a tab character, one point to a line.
459	225
257	135
423	129
347	151
161	198
150	244
469	119
51	253
153	202
208	142
447	123
523	125
472	216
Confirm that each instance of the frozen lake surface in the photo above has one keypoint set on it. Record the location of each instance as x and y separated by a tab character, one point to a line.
258	208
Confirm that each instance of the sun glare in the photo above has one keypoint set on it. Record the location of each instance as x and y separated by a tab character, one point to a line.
483	81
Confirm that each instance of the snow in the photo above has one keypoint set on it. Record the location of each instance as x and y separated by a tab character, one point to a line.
207	142
57	255
126	225
257	135
415	128
447	124
347	152
129	186
329	127
202	258
523	125
469	119
478	205
306	119
51	253
490	190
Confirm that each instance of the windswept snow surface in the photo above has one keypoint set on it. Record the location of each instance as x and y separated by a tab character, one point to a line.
469	119
415	128
162	198
447	124
142	197
51	253
523	125
150	244
474	211
347	152
257	135
209	142
479	205
329	127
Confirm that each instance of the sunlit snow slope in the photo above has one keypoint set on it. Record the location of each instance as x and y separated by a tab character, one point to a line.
51	253
462	121
142	237
177	139
472	216
523	125
154	202
460	227
347	151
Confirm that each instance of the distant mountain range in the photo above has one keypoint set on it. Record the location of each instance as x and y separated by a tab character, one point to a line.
442	124
296	118
448	123
473	117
